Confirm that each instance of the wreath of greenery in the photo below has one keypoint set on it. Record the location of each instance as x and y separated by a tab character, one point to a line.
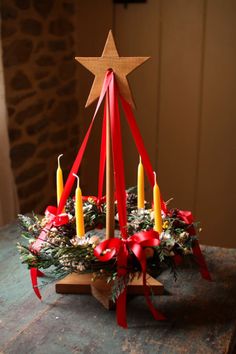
63	253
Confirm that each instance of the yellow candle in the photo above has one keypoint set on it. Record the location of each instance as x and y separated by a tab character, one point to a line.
140	185
60	185
79	215
157	207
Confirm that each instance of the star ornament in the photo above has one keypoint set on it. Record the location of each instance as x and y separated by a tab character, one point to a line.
110	59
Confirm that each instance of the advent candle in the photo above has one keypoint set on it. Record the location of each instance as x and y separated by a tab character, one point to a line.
140	185
157	206
59	180
79	214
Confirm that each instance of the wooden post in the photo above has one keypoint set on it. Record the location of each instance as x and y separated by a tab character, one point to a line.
110	207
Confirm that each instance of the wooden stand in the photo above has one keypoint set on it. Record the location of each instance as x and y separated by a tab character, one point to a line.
75	283
102	291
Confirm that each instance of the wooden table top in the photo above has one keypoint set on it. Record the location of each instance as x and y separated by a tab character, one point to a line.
201	315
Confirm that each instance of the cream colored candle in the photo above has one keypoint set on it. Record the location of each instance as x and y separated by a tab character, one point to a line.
59	180
79	214
140	185
157	206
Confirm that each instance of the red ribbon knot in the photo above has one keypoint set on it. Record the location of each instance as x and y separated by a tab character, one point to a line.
121	248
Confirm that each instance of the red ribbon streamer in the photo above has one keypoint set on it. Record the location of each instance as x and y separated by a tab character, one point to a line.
122	256
121	247
102	156
117	156
201	262
187	217
34	274
76	165
140	145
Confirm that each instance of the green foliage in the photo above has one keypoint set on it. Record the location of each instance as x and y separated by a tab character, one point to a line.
62	252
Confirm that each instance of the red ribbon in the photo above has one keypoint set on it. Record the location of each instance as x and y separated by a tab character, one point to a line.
121	248
98	201
53	220
117	156
77	162
34	274
102	162
201	262
187	217
140	145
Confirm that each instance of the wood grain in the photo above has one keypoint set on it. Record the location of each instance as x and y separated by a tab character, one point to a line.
110	60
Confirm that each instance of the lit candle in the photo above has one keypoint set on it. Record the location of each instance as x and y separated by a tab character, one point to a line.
79	215
60	185
157	206
140	185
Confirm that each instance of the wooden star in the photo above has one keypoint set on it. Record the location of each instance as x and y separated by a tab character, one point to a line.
110	59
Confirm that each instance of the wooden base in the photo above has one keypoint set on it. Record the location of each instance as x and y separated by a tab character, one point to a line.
75	283
136	286
102	292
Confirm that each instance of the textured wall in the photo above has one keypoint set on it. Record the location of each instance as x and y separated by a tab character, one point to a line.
38	58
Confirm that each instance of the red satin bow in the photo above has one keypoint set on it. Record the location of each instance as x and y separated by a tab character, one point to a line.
122	248
186	216
98	201
57	220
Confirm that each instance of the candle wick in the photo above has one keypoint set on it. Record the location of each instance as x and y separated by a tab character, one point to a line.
77	179
58	159
140	159
155	177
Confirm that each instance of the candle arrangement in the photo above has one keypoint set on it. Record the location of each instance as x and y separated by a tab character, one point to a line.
142	237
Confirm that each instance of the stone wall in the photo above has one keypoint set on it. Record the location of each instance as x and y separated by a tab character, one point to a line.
38	39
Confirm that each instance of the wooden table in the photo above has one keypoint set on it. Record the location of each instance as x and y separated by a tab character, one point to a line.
201	315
